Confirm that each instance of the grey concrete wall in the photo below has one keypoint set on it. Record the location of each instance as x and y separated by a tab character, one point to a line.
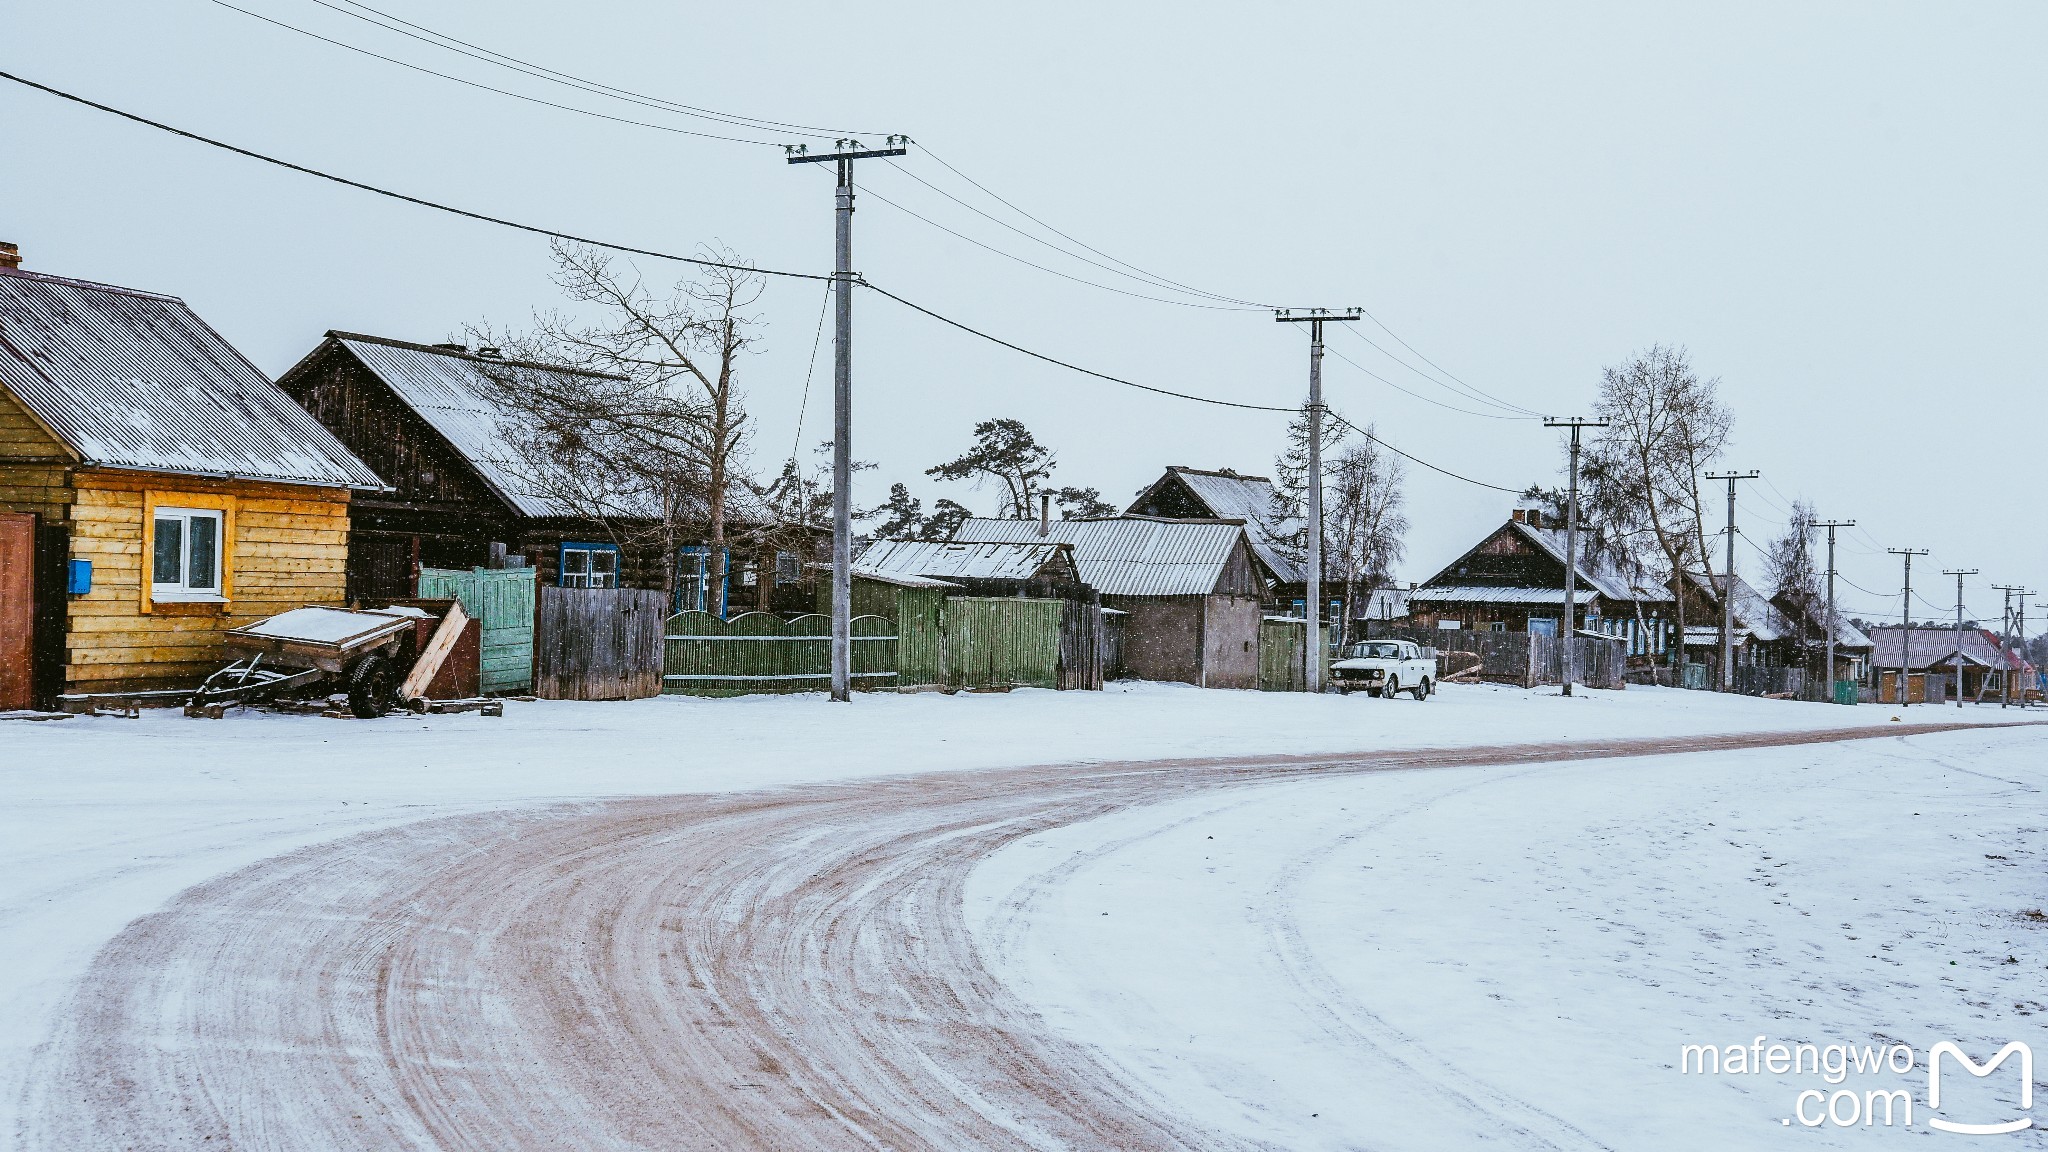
1230	641
1162	637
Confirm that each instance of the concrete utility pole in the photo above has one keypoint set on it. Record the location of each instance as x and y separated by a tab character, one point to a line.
844	154
1959	573
1906	620
1831	525
1312	674
2020	627
1568	654
2005	639
1728	589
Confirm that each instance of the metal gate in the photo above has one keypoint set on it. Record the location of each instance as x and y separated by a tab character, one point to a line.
17	610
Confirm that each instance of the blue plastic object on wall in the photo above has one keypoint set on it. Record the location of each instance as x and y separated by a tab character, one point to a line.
79	579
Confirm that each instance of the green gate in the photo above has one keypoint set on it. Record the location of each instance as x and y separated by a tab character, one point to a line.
501	600
1002	642
761	652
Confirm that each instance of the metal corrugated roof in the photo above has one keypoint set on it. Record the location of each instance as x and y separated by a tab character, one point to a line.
136	380
1130	556
1936	648
1751	610
1601	574
1251	499
959	560
1498	594
448	389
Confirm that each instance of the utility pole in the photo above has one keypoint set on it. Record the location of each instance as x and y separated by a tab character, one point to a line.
2020	627
1312	674
1906	620
1959	573
844	153
2005	638
1567	655
1831	525
1728	589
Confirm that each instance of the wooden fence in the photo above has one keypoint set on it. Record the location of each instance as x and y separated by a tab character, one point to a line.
761	652
502	602
598	643
1281	668
1004	642
1515	657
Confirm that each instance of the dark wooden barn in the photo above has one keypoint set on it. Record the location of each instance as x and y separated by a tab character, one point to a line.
422	417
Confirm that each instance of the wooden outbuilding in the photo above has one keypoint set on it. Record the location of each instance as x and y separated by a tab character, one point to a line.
1191	588
156	490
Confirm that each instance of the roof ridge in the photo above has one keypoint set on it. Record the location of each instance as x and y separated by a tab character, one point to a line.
96	285
1224	473
465	354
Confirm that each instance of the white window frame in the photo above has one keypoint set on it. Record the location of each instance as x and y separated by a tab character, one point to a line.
589	577
181	590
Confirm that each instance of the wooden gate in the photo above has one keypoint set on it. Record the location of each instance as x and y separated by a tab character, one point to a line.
501	600
17	610
1002	642
598	643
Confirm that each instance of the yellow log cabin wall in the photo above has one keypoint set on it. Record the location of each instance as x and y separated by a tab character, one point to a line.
34	467
285	546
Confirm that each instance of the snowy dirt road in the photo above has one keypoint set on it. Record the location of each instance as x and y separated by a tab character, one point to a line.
781	970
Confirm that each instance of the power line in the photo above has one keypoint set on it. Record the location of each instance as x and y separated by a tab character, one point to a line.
698	261
1420	396
486	87
1468	394
386	192
453	44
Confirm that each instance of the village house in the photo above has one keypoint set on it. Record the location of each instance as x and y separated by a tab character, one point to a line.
1513	581
1184	493
1766	632
422	415
156	490
1929	654
1191	588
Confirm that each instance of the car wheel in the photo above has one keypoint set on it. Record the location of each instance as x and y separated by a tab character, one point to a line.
1422	691
1392	689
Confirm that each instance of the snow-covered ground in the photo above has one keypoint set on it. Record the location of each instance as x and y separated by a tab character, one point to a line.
106	819
1515	956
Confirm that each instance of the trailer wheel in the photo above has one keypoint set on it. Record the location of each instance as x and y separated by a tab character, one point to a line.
372	686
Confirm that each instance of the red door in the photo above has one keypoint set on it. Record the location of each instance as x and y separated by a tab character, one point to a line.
17	610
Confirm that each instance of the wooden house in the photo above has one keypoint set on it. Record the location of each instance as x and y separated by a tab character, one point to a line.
1931	652
1184	493
1513	581
423	416
1191	589
164	489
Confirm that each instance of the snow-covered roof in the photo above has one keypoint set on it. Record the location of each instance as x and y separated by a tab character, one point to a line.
1602	574
135	380
1231	496
1751	609
962	560
1936	648
1130	555
1498	594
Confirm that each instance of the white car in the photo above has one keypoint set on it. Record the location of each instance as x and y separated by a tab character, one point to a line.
1385	668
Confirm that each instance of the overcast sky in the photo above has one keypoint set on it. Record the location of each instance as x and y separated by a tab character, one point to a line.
1837	209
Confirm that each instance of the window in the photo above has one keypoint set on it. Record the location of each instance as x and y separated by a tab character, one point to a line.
185	554
589	565
1497	626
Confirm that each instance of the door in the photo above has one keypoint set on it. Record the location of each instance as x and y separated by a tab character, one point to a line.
17	610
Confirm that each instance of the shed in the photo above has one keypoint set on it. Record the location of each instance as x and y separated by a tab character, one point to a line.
1271	529
1191	588
176	492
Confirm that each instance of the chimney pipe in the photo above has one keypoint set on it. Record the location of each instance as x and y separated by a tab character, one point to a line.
1045	515
10	255
1516	515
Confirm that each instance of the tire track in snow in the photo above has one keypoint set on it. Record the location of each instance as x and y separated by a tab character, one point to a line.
787	970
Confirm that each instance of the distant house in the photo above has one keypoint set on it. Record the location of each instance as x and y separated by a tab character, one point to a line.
156	490
1932	651
423	416
1185	493
1191	587
1513	581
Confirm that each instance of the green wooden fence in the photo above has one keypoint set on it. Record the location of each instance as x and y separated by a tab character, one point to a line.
502	601
1280	662
761	652
1002	642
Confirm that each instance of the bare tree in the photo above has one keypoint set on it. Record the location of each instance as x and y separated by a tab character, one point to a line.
1666	425
1363	515
1794	577
650	436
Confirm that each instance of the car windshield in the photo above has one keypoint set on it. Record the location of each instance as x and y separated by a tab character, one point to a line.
1370	650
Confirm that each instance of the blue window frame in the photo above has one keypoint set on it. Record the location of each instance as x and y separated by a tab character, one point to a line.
588	565
695	579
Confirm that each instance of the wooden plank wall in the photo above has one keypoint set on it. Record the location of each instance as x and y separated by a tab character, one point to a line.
290	549
599	643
